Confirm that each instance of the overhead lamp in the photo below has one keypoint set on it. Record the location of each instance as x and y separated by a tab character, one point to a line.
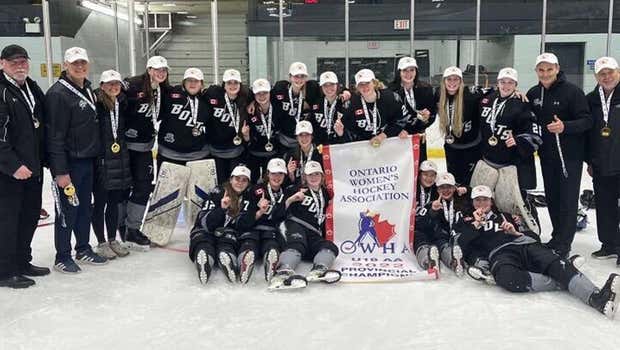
100	8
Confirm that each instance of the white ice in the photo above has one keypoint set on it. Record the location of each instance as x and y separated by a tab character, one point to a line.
154	300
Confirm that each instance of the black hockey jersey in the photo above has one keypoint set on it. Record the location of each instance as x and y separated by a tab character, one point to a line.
273	217
323	116
259	125
301	159
288	105
213	216
222	125
183	130
422	98
311	210
139	127
391	116
470	135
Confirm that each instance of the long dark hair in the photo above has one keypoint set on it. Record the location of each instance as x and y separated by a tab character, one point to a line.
396	83
234	208
146	85
242	100
106	100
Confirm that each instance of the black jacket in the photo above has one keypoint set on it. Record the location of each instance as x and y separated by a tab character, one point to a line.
286	110
568	102
470	135
320	125
20	142
113	170
139	122
221	125
72	126
424	99
603	153
276	213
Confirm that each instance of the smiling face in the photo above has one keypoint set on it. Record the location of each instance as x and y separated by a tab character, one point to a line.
330	90
232	87
506	86
427	178
78	69
304	139
262	97
446	191
17	68
111	88
453	83
158	75
192	86
276	180
407	75
483	203
298	81
366	89
239	183
608	78
547	73
314	180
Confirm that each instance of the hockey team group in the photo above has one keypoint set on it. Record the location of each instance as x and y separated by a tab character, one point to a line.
271	200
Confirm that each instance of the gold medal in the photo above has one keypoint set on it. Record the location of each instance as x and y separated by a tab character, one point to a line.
449	139
196	132
375	143
268	147
237	140
115	147
493	140
606	131
69	190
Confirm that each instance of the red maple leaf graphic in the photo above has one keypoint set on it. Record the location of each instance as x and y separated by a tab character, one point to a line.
385	230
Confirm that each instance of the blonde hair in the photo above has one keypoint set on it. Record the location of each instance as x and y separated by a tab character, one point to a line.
377	84
457	123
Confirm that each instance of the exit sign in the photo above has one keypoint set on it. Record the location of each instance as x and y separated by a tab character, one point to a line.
401	24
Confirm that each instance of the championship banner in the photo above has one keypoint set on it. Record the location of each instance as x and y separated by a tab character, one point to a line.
372	214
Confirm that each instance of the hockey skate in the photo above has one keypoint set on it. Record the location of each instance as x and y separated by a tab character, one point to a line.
433	258
481	274
246	266
136	240
202	266
457	264
285	279
270	262
320	273
227	265
606	300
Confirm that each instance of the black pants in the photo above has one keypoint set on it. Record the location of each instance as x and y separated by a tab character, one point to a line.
141	164
562	196
606	197
106	208
512	264
306	241
258	166
461	163
222	240
261	241
224	166
75	219
20	203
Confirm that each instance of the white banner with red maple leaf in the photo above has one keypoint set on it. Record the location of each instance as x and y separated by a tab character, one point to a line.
372	215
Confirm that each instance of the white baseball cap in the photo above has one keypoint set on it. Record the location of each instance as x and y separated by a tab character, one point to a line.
277	165
364	76
261	85
298	68
193	73
328	77
509	73
453	71
407	62
481	191
605	63
110	75
313	167
76	53
428	165
231	74
241	170
547	57
303	126
445	179
157	62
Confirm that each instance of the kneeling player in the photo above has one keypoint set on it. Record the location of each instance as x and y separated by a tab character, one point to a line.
306	208
260	223
520	263
215	230
434	240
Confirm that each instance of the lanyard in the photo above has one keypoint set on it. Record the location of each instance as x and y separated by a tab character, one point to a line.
267	124
79	94
424	199
193	106
30	100
156	106
296	111
410	98
605	103
233	114
328	112
448	211
114	120
496	111
301	157
374	116
450	108
320	203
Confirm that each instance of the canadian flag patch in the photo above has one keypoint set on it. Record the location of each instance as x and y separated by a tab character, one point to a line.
485	100
259	191
280	97
315	106
175	95
254	119
213	101
140	94
359	111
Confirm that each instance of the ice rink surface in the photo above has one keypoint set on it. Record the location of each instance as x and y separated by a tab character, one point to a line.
154	301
